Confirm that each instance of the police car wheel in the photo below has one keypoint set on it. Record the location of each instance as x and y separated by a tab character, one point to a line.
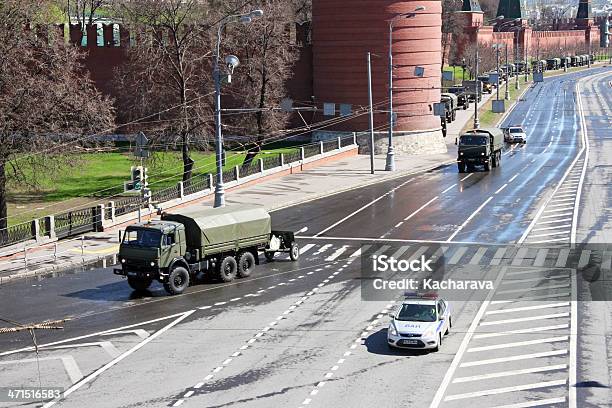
437	348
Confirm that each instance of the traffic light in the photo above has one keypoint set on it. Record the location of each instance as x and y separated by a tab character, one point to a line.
139	177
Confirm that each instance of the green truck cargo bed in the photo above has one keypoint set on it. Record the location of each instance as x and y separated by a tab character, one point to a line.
214	230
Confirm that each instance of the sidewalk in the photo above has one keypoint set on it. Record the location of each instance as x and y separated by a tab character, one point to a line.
326	179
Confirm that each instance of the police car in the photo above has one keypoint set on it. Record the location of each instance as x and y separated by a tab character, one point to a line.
420	323
515	134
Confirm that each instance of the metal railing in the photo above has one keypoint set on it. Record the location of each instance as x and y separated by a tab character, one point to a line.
91	218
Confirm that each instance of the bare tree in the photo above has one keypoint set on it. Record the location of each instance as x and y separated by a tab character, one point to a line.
452	28
83	12
168	71
268	51
47	105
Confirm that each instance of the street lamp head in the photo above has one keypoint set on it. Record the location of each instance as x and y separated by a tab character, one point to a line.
420	8
256	13
245	19
232	62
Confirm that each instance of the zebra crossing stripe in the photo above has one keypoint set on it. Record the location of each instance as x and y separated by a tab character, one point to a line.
478	256
518	258
584	258
541	257
337	254
400	251
562	259
457	255
499	255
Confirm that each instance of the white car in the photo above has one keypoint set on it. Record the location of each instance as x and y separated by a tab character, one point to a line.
420	323
515	134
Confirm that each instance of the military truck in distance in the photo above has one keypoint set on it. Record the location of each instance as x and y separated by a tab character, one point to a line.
480	147
222	241
462	97
451	103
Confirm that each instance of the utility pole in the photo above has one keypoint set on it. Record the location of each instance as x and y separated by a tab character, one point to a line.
498	76
516	57
390	164
476	87
371	113
507	94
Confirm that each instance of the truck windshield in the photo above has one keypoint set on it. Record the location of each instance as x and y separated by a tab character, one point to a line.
516	130
417	313
473	140
142	238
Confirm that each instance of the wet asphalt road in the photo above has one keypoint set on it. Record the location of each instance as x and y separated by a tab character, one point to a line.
439	205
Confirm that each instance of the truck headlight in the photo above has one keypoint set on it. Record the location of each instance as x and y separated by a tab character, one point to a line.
392	329
122	261
461	154
482	154
152	263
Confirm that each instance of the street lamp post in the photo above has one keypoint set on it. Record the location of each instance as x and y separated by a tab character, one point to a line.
507	93
476	87
390	162
232	63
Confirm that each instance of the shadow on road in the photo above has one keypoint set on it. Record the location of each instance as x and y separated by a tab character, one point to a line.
376	343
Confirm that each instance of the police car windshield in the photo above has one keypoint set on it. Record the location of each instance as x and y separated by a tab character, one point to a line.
142	238
417	313
473	140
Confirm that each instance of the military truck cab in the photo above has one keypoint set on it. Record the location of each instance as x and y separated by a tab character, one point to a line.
222	242
480	147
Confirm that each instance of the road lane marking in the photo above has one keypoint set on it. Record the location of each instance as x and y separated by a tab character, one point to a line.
499	255
534	403
337	254
521	331
518	344
361	209
548	241
557	215
421	208
467	177
437	399
525	319
530	298
306	248
584	258
554	221
518	258
554	210
540	259
525	308
322	249
494	391
510	373
118	359
513	178
556	227
449	189
400	251
550	234
538	279
501	188
552	353
469	219
534	289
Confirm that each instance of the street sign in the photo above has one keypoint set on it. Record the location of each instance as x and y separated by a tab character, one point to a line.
499	106
286	105
141	146
494	78
419	72
538	77
448	76
329	109
439	109
346	109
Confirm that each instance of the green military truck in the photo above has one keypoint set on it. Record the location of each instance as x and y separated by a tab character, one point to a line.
480	147
224	242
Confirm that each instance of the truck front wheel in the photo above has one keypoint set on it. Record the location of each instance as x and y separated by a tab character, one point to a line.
139	284
294	253
178	281
228	268
246	262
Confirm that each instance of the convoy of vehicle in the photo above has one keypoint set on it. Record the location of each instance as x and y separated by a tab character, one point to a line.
462	98
480	147
223	242
421	322
451	105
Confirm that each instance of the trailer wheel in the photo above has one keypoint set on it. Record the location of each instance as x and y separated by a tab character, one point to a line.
269	255
246	262
228	268
139	284
294	253
178	281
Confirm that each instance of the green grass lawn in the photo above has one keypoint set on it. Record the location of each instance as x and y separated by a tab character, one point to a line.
101	175
457	75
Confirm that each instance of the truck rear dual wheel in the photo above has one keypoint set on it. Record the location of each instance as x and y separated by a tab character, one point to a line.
246	263
178	281
139	284
294	252
228	269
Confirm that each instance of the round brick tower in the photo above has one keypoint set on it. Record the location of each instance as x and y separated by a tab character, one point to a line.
344	31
